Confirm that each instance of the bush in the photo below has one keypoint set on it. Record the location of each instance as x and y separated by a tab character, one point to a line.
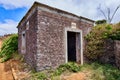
100	22
95	40
115	35
39	76
71	66
9	46
104	72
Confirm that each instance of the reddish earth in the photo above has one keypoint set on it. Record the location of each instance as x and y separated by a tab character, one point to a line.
5	71
10	72
75	76
13	70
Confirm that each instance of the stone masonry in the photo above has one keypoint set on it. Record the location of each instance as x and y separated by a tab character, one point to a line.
117	53
112	53
108	55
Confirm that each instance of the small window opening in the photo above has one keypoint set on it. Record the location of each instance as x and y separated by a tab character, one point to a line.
23	42
27	25
24	35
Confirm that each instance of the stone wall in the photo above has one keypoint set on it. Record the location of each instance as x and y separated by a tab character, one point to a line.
30	39
117	53
108	55
112	53
51	38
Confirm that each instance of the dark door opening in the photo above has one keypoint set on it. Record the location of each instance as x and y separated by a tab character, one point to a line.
71	45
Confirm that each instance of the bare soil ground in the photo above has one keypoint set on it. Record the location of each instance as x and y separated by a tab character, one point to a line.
75	76
5	71
78	76
13	70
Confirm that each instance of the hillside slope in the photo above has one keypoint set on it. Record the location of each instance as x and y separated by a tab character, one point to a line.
0	43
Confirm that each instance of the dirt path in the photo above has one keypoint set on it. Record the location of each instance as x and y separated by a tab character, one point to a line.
76	76
5	71
83	75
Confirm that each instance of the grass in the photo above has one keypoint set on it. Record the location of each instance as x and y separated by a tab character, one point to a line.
96	71
102	71
70	67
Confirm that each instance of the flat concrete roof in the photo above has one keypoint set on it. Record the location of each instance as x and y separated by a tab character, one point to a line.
53	8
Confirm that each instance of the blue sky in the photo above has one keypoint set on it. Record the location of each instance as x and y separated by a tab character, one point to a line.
9	19
14	14
12	11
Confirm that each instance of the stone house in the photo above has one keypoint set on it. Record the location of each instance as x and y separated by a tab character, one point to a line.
49	36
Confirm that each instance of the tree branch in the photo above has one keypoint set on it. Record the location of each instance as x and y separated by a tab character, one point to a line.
102	12
109	18
114	13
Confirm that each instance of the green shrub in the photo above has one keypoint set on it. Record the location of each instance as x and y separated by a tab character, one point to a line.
9	46
115	35
71	66
39	76
100	71
96	39
100	22
105	72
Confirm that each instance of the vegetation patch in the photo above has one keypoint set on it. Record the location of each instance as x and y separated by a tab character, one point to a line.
70	67
9	46
96	71
96	39
115	35
102	71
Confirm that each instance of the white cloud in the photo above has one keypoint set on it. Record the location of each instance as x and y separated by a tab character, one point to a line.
8	4
9	26
86	8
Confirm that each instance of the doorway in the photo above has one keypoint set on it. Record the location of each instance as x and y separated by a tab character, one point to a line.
71	43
